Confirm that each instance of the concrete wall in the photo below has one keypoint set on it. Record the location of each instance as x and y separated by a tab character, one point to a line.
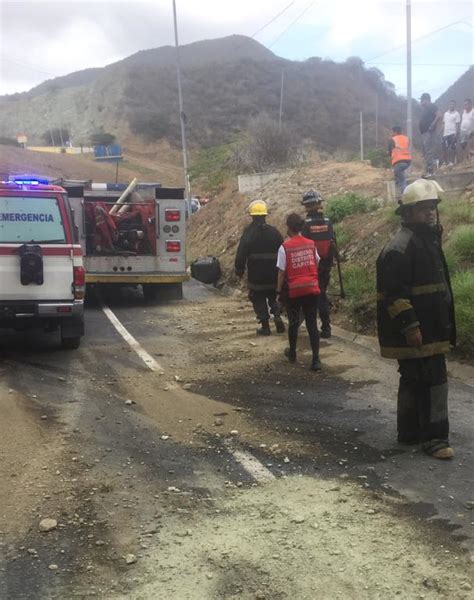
255	181
450	182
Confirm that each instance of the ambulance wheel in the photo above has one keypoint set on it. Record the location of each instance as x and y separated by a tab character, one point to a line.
71	343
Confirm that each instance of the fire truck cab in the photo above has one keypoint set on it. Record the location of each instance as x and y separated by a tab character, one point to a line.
42	277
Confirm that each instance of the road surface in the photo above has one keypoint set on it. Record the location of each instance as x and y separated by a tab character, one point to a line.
182	457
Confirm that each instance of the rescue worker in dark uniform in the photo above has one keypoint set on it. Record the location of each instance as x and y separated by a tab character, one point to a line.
319	229
415	319
258	249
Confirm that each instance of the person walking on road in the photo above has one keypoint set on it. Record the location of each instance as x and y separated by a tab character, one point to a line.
298	269
415	319
319	229
430	117
466	133
400	155
257	251
451	122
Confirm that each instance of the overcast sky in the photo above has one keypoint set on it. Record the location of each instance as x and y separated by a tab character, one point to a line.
41	40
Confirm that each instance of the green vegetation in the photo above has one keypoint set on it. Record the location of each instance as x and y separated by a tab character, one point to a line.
211	167
343	236
339	207
461	243
463	291
359	285
458	213
379	157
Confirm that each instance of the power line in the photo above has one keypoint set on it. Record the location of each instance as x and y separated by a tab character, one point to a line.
273	19
28	66
402	46
292	23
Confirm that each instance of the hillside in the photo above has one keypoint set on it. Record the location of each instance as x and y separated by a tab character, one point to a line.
140	163
225	83
460	90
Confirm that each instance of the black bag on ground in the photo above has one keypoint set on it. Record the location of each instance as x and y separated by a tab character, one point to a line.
206	270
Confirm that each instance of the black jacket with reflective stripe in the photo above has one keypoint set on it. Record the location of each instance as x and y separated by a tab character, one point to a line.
258	250
319	229
414	289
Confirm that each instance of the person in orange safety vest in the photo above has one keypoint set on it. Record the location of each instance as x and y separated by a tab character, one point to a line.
400	155
298	268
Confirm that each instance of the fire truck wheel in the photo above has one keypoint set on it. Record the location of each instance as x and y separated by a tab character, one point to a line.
71	343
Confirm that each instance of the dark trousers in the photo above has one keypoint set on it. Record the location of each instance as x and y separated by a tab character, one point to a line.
309	306
323	303
262	300
423	402
400	173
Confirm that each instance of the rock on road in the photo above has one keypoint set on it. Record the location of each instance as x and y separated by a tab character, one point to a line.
231	474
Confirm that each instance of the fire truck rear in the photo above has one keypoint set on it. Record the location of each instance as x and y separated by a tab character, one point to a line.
135	236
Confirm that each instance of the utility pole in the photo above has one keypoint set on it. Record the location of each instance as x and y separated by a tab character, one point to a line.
376	119
409	92
182	116
361	136
281	98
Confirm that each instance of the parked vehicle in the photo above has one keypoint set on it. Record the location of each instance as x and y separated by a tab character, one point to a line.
132	236
42	276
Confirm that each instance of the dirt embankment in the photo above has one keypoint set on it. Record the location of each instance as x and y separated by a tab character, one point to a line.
217	228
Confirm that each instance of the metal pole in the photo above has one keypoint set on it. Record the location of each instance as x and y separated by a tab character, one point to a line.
409	92
376	120
281	99
182	116
361	136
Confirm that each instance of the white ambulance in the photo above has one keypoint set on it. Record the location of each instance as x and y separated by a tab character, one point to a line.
42	277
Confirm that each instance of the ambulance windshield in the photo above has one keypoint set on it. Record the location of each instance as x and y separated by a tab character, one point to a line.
26	220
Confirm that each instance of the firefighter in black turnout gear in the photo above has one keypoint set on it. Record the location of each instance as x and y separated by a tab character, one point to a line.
319	229
258	249
415	319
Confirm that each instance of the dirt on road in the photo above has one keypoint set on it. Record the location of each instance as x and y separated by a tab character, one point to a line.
231	475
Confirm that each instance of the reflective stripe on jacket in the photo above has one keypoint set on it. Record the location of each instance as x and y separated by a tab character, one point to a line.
301	267
401	151
320	230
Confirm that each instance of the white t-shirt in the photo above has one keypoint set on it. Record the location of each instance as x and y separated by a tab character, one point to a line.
451	120
467	121
281	259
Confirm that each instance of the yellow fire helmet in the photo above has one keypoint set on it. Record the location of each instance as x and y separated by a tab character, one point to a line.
258	208
420	191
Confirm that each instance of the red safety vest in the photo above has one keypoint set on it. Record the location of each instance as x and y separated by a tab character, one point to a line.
402	148
301	267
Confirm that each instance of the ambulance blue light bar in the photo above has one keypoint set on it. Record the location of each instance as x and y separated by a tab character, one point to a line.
29	180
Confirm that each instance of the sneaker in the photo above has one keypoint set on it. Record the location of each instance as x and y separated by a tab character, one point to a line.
316	365
264	329
280	326
290	355
444	453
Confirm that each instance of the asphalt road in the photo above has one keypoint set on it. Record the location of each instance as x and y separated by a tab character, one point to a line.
119	454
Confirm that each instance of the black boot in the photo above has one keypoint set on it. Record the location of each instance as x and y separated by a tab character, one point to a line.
280	326
290	355
316	364
264	329
325	331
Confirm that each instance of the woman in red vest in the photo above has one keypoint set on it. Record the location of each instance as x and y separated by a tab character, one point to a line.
298	268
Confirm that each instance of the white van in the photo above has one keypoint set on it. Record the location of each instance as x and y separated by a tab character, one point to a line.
42	277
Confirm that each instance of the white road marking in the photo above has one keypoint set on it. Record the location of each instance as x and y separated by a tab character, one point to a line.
150	362
252	465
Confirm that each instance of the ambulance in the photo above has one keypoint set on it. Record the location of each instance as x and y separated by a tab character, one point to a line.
42	276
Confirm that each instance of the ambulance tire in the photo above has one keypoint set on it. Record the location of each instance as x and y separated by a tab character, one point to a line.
162	291
71	343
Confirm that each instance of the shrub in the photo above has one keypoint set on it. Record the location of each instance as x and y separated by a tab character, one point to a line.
378	158
461	243
459	213
101	138
342	206
463	291
211	166
359	285
343	236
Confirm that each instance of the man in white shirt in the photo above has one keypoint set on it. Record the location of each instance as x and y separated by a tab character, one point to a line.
451	121
466	136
